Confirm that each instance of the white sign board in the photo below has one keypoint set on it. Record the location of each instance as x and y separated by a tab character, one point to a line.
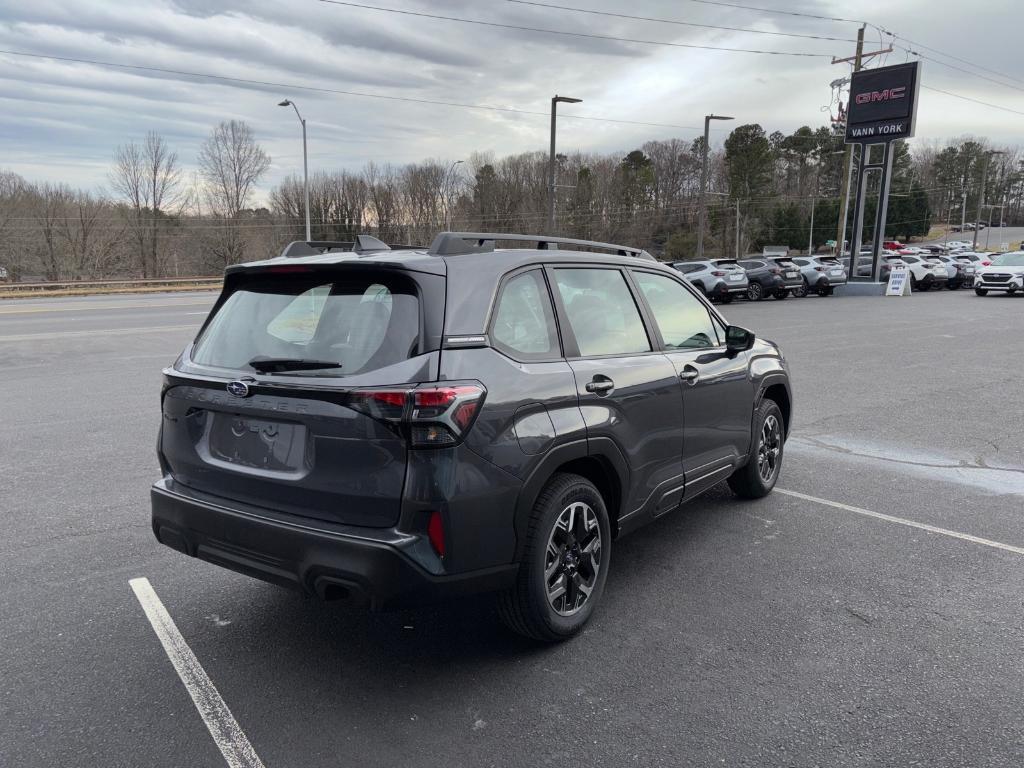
899	281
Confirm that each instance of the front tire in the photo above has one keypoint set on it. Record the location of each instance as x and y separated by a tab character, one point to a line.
726	298
802	290
758	476
565	563
755	292
981	292
780	295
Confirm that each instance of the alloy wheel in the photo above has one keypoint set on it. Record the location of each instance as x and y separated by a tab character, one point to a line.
572	561
768	449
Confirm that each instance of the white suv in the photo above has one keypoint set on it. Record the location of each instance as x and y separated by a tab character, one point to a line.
1005	274
925	272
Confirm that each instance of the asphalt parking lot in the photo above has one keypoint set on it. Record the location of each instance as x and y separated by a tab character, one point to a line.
871	612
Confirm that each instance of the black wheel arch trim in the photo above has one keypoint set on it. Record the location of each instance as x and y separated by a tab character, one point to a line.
601	448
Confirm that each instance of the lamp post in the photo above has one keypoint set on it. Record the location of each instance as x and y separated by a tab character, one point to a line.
981	197
704	183
305	162
726	194
551	160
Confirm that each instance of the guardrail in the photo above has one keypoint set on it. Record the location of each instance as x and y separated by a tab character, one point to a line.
83	287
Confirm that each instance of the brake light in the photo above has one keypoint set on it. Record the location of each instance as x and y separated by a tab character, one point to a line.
819	269
435	532
718	274
776	271
429	416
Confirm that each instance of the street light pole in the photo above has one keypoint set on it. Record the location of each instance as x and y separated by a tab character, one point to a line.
551	159
305	163
702	214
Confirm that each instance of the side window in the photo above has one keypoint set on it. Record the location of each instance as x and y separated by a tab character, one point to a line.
524	323
684	322
601	311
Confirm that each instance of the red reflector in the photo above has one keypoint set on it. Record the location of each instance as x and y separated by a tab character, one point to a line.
435	532
464	414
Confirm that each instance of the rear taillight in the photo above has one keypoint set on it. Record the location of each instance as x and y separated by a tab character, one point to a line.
429	416
819	269
442	415
776	271
718	274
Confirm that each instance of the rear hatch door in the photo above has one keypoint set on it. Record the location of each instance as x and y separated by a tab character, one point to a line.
288	397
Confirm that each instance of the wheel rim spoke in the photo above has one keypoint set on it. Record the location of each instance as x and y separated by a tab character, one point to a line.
572	559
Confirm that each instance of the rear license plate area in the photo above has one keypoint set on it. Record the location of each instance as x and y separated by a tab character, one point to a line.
277	446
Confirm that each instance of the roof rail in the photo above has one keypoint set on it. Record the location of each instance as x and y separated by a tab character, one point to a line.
460	243
362	244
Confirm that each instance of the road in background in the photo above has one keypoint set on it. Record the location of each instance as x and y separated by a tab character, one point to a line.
777	632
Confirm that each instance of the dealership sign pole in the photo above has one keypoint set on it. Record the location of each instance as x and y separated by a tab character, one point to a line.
883	108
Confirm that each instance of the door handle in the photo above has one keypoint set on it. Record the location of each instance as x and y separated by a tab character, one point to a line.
600	386
689	374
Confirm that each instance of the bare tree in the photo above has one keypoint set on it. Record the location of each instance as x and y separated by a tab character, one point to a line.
148	178
231	164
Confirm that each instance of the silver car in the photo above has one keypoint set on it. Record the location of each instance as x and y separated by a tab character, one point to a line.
720	279
821	274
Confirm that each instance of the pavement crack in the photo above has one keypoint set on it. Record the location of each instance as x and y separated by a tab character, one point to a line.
856	615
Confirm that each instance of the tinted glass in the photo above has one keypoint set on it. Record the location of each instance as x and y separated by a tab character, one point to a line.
362	324
751	264
683	321
1009	260
601	311
524	323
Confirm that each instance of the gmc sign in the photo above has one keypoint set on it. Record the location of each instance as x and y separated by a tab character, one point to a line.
883	104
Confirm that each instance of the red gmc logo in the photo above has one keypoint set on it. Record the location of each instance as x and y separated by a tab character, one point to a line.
888	94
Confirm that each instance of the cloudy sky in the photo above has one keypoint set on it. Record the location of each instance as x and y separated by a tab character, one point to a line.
62	120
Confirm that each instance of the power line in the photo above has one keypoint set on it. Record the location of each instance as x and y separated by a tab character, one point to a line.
586	35
895	37
975	101
682	23
776	10
316	89
960	69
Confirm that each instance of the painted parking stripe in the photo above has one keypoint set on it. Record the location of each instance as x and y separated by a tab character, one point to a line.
903	521
227	734
52	336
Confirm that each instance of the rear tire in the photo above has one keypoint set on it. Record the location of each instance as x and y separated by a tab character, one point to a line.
802	290
758	476
568	547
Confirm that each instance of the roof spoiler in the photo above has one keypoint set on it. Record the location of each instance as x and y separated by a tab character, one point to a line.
461	243
361	244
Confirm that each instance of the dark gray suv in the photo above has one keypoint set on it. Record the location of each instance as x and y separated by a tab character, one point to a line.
385	426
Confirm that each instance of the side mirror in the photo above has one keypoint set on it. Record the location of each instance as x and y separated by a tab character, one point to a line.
738	339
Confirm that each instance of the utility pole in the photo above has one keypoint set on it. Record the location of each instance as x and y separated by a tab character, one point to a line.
737	229
702	212
981	197
848	170
963	212
551	160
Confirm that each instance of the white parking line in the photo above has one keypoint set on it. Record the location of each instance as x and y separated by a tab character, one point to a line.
902	521
222	725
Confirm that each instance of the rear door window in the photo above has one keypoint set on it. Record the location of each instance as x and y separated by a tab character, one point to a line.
359	323
601	310
524	323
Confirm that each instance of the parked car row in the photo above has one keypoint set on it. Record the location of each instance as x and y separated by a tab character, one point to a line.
756	278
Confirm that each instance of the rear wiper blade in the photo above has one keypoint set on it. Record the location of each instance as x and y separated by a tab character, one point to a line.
277	364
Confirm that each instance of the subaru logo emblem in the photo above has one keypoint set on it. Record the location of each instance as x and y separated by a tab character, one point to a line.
238	388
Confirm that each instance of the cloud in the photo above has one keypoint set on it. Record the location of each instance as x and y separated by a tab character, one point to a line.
61	121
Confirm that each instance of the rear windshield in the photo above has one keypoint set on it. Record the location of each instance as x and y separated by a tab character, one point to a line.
361	324
829	262
784	262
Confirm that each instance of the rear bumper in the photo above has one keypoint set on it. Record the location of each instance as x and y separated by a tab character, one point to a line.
725	289
359	566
